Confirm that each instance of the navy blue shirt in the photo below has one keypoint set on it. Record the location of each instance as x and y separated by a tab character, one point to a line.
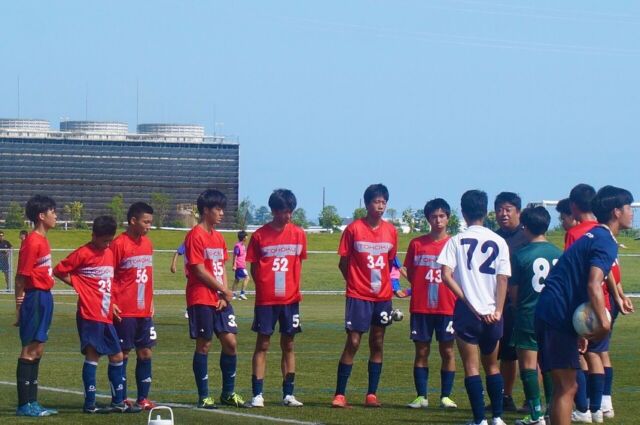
566	285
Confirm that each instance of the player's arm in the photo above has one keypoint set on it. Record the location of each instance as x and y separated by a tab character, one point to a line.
174	261
448	279
502	281
208	279
343	265
596	297
626	301
62	275
19	283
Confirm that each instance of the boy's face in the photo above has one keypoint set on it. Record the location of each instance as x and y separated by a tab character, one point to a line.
281	217
625	217
508	216
101	242
213	216
567	221
141	226
49	218
376	207
438	220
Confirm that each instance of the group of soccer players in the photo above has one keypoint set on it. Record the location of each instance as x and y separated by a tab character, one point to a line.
458	291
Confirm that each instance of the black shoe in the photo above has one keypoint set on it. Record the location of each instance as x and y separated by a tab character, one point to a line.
93	409
123	407
508	405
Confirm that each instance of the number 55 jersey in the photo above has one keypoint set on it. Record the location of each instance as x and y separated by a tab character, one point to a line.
133	279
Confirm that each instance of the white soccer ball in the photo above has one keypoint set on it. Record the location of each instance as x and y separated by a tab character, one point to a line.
585	321
397	315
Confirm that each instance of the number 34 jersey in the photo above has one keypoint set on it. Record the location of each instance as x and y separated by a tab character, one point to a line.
276	258
369	252
91	273
429	295
530	267
133	278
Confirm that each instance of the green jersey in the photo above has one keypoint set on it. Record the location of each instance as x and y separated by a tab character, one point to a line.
530	267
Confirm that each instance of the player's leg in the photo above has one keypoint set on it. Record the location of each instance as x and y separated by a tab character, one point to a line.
244	282
89	369
259	365
146	337
420	334
114	372
564	388
494	381
595	379
528	363
581	399
472	381
508	359
289	320
201	330
446	337
234	287
607	403
376	354
225	327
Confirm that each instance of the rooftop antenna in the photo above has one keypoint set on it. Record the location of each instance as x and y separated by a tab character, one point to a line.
137	103
323	197
86	101
18	96
214	120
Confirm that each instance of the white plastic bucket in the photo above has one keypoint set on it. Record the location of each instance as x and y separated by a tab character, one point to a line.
159	420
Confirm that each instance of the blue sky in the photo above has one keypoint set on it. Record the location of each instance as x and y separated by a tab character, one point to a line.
430	97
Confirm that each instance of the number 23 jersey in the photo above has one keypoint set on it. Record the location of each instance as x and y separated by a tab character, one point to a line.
133	279
369	252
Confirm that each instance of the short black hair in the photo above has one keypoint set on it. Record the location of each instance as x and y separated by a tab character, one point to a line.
282	199
474	204
211	198
564	206
374	191
607	199
507	197
104	225
536	220
23	232
241	235
436	204
137	209
581	196
38	204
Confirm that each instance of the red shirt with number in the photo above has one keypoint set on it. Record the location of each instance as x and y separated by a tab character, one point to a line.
209	249
429	295
133	278
369	252
277	263
91	273
34	262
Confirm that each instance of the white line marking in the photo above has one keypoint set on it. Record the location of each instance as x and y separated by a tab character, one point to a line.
182	406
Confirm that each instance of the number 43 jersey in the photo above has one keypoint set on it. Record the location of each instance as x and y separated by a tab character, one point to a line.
133	278
276	259
476	256
369	252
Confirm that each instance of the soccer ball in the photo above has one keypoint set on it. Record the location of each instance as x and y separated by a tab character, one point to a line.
585	321
397	315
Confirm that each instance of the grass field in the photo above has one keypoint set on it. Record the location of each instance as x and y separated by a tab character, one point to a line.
318	349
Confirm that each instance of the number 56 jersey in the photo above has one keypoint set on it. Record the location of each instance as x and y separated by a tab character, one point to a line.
369	252
133	275
276	259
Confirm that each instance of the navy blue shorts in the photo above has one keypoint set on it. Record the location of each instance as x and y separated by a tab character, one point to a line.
205	321
136	332
265	318
424	325
36	313
359	314
241	274
474	331
507	351
99	335
601	346
556	349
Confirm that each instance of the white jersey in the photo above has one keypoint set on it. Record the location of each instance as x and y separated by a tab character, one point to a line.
477	256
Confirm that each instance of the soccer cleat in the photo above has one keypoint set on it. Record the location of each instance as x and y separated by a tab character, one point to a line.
597	417
234	297
340	401
242	296
146	404
257	401
371	400
528	421
472	422
123	407
581	417
508	405
290	401
233	399
39	408
609	414
93	409
447	403
28	410
498	421
186	314
207	403
524	408
419	402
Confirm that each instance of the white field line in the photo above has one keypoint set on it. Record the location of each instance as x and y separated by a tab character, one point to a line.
181	406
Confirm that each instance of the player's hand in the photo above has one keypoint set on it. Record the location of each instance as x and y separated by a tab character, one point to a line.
400	294
582	345
222	304
227	293
626	306
491	318
116	313
173	268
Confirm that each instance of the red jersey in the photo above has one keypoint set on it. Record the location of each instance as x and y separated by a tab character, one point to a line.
91	273
210	249
277	263
428	294
577	231
369	252
34	262
133	275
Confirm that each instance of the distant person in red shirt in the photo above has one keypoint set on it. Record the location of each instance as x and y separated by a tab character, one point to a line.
34	303
276	251
566	219
580	204
89	270
209	300
133	298
367	248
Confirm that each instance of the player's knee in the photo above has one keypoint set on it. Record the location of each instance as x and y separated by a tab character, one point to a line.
116	358
203	346
142	353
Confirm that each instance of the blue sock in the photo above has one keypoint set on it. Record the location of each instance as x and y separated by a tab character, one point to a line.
201	373
608	380
143	378
580	398
256	385
375	369
344	371
446	382
228	368
89	381
241	292
420	378
114	371
495	388
595	385
473	384
287	384
125	361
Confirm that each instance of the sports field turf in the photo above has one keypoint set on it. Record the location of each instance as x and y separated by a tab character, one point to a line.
318	349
